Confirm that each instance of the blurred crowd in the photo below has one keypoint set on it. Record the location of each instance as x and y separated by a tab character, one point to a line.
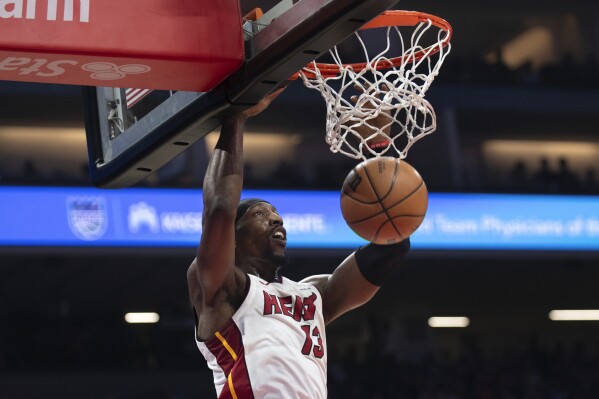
551	176
528	370
567	73
558	374
379	365
547	177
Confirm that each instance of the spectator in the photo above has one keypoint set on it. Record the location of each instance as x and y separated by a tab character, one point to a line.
518	178
590	185
567	180
545	180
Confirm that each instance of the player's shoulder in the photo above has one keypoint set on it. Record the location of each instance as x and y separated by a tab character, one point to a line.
234	285
192	270
316	279
319	281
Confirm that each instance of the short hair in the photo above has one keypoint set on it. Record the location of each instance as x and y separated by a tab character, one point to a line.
246	204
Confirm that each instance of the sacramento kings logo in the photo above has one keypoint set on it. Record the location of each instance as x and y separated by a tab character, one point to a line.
87	217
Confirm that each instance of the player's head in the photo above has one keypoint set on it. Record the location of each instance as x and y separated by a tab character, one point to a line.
259	231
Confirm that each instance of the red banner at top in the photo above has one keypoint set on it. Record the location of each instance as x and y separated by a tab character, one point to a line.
157	44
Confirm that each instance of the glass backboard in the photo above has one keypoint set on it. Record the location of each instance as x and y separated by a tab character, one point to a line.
132	132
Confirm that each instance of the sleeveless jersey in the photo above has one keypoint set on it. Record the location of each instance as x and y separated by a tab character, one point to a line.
274	345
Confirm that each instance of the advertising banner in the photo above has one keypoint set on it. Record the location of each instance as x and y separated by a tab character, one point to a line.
170	45
71	217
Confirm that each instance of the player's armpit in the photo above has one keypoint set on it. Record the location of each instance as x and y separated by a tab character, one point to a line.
344	290
319	281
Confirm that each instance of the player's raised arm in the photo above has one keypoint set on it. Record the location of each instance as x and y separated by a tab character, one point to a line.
222	189
214	265
355	281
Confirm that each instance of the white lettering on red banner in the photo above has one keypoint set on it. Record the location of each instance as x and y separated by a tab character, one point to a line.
110	71
31	9
46	68
37	66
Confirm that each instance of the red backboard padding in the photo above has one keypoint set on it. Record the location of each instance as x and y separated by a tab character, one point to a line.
159	44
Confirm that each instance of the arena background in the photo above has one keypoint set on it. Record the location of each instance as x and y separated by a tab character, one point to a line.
517	102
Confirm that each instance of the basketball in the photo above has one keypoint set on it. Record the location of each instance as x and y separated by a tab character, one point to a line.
384	200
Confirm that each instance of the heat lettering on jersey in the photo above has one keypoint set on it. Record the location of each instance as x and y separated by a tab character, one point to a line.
296	307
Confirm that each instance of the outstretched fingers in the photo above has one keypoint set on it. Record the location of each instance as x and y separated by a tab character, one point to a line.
264	103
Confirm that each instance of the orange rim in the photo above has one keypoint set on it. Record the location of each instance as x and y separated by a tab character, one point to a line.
387	19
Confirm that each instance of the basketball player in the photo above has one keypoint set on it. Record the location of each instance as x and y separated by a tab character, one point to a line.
263	335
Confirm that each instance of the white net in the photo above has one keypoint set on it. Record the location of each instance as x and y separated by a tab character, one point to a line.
378	108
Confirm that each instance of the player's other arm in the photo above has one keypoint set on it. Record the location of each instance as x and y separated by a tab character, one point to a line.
222	190
358	278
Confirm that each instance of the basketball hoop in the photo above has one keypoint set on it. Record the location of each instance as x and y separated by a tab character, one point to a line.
377	107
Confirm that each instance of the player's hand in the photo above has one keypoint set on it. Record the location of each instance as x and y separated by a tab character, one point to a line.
378	126
263	104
